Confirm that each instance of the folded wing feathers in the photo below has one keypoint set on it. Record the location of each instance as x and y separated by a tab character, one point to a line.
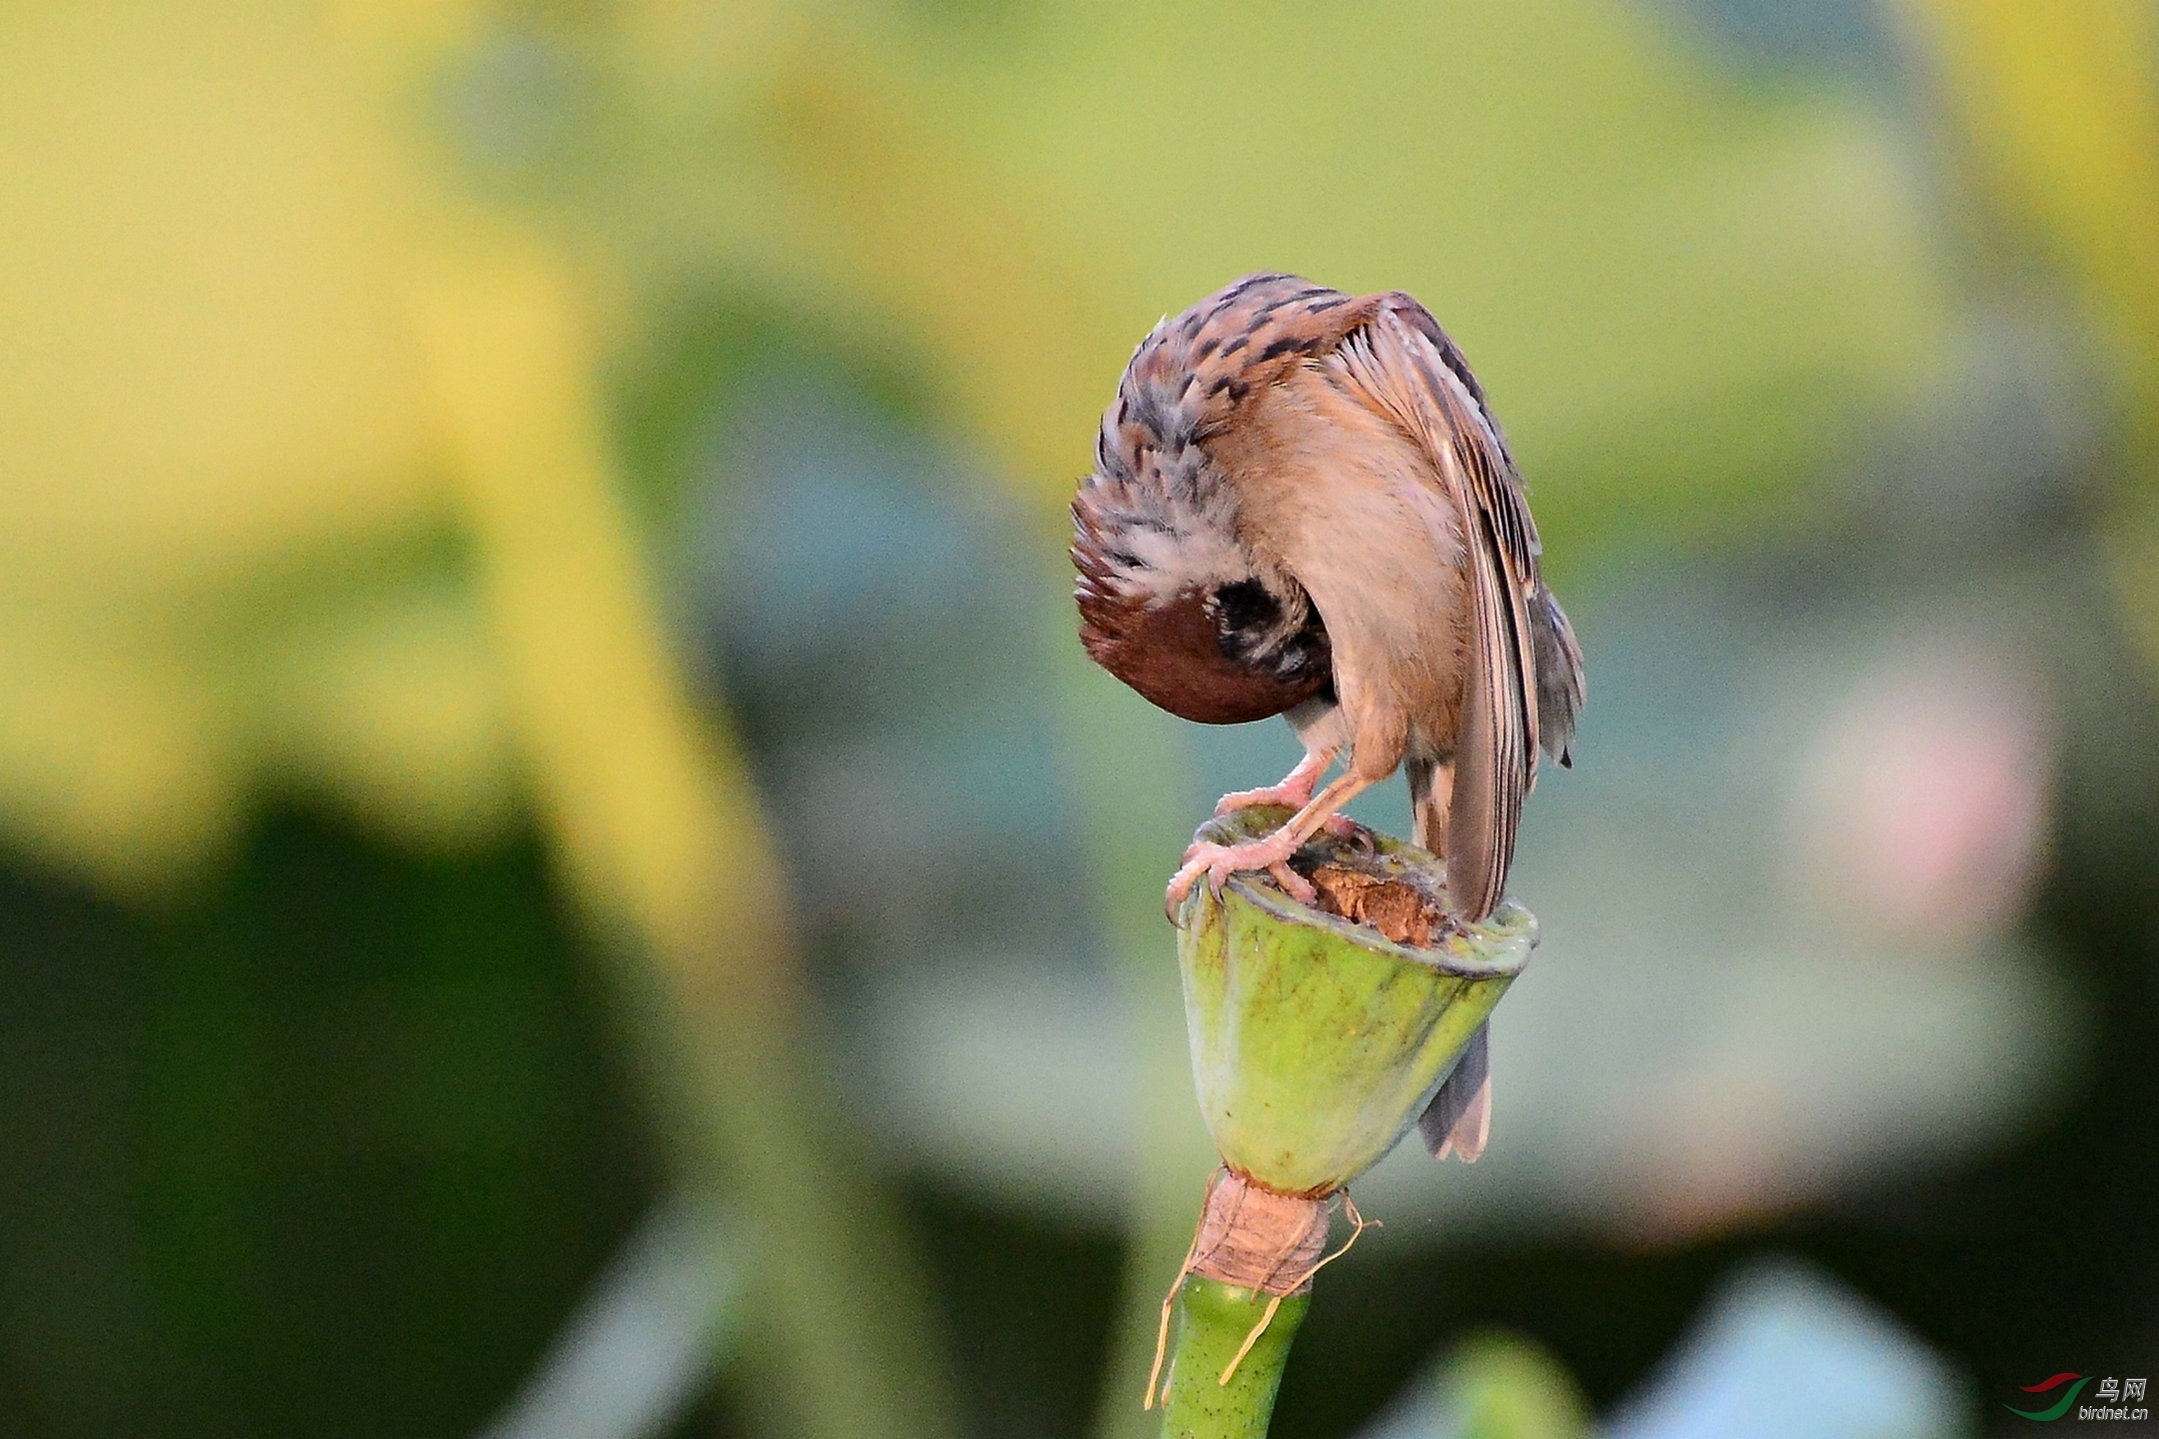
1405	361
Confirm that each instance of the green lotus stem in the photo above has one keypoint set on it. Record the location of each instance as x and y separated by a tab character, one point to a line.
1223	1330
1316	1043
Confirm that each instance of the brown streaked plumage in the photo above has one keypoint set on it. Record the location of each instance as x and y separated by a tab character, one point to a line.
1302	505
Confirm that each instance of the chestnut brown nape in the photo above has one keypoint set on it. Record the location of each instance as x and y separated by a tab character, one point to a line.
1173	654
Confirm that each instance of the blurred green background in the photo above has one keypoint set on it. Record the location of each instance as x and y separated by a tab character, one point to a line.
562	874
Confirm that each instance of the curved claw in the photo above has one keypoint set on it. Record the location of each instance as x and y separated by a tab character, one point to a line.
1219	861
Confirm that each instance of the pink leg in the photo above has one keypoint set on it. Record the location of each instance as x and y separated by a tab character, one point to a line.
1295	790
1219	861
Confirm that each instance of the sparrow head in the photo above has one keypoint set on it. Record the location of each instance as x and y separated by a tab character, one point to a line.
1172	605
1170	601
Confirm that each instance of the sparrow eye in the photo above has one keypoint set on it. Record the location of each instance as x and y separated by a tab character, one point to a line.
1244	605
1257	629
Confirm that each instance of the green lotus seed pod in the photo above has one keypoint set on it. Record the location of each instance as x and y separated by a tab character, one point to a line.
1317	1041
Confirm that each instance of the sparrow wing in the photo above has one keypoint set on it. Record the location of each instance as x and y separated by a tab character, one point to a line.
1412	372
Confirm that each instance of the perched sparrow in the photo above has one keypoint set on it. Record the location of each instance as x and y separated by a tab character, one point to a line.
1302	506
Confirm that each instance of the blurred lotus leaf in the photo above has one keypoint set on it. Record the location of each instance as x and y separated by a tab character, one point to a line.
225	541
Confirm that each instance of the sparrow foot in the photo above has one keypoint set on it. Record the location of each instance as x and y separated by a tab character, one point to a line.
1290	794
1219	861
1294	792
1355	835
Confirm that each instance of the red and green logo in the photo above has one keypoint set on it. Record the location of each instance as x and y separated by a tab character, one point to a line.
2061	1406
